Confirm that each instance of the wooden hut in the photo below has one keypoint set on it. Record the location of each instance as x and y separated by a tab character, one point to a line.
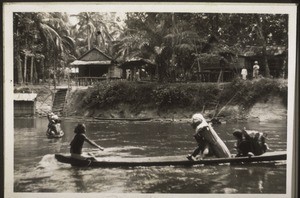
93	66
214	62
137	69
24	104
276	57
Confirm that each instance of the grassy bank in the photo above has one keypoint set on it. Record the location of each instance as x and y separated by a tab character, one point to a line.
128	99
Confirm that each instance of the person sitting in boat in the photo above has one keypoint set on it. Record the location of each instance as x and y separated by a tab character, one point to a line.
250	143
209	143
77	143
54	128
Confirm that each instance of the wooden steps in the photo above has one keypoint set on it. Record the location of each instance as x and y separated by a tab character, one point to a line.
59	101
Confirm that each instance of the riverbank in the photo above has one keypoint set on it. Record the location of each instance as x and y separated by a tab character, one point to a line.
259	100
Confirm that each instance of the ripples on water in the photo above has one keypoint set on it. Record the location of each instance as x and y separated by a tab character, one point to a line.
36	170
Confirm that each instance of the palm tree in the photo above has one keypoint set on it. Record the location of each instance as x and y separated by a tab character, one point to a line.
158	37
54	32
43	33
95	30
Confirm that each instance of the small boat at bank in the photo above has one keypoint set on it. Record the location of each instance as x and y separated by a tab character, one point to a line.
54	131
123	119
53	135
170	160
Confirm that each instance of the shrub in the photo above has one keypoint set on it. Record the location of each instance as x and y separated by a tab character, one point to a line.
183	95
247	93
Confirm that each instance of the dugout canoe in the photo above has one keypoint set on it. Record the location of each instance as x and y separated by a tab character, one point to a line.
51	136
169	160
123	119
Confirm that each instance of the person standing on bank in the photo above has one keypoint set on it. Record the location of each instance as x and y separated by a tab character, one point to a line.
244	73
77	143
255	70
209	143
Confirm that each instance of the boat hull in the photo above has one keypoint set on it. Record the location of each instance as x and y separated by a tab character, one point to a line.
51	136
170	161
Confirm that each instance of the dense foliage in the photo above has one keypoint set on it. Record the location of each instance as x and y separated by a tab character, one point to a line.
189	96
175	42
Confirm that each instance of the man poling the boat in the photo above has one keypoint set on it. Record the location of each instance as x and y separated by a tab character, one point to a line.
209	143
77	143
250	143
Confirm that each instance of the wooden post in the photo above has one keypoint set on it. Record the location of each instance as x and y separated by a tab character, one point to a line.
25	68
19	68
134	74
35	74
220	77
131	74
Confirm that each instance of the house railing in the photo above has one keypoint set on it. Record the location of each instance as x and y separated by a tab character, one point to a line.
86	81
205	76
211	76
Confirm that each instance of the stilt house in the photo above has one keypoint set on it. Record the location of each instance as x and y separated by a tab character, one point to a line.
94	66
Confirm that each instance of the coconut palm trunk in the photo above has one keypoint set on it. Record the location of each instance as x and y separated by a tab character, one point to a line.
262	38
19	68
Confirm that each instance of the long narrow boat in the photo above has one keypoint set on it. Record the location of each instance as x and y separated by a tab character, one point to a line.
123	119
170	160
50	136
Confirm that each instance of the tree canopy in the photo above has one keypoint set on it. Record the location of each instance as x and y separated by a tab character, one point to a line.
175	42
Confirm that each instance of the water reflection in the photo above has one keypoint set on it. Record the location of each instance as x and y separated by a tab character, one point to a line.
25	123
34	158
259	179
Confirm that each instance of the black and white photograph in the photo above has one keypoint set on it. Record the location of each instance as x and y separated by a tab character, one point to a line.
153	99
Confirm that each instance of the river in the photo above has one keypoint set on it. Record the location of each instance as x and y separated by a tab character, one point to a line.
36	170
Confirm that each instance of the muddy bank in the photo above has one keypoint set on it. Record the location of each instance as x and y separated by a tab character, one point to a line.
80	103
270	109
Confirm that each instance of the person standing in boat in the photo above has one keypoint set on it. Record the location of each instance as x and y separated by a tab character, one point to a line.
77	143
250	143
209	143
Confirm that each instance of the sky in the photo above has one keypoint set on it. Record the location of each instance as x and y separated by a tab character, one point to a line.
74	20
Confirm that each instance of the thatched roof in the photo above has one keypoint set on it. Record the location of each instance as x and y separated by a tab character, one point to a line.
93	57
25	96
79	63
136	62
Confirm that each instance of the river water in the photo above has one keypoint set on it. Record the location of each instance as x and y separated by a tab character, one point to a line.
36	170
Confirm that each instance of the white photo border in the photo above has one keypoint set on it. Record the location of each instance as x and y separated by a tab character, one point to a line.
262	8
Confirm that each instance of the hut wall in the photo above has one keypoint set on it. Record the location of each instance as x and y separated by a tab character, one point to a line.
114	72
241	62
24	108
94	55
275	64
92	71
